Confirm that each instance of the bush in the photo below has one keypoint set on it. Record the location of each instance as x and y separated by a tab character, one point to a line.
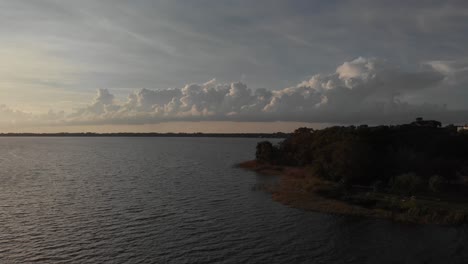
378	186
266	152
407	183
435	183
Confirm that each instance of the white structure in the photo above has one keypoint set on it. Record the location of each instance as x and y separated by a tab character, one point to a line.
462	128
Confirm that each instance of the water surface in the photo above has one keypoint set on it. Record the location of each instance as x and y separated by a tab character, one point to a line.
179	200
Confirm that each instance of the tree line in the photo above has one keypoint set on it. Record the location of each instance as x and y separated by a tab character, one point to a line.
403	158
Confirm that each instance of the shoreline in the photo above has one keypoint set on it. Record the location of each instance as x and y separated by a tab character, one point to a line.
278	135
296	188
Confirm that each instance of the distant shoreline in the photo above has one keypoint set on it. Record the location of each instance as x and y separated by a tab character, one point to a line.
123	134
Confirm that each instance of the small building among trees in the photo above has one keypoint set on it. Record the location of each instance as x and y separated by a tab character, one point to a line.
420	122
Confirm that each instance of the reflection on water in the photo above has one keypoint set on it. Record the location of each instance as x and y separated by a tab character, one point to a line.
179	200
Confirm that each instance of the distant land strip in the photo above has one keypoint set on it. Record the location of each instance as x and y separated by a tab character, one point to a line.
124	134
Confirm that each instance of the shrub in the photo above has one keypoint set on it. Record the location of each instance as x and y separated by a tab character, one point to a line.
435	183
378	186
266	152
406	183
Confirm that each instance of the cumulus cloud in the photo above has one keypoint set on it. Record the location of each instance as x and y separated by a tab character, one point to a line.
14	117
9	115
362	90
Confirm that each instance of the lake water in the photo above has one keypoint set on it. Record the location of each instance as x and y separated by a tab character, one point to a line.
180	200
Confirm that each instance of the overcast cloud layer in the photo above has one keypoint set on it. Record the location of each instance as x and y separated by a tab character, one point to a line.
314	61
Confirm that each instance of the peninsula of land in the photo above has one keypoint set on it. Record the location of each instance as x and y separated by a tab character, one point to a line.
414	172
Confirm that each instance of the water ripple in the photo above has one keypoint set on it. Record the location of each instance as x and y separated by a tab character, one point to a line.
160	200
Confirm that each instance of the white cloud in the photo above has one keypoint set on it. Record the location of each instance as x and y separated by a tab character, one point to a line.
365	89
8	115
361	90
455	72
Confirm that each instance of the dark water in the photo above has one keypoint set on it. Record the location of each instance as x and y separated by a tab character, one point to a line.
161	200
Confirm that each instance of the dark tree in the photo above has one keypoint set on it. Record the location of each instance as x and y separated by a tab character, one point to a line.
265	152
365	155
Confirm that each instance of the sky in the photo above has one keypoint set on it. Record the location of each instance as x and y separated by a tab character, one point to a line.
229	66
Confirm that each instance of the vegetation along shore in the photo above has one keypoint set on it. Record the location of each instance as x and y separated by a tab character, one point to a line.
414	172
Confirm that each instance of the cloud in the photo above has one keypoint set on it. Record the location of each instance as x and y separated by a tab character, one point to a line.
84	45
364	89
359	91
8	115
455	72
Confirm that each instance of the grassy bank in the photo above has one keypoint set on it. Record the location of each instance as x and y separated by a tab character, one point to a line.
299	188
